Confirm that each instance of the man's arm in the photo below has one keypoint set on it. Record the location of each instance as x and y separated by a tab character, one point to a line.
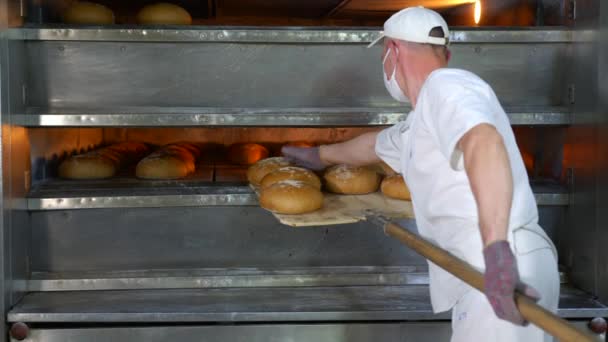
487	165
357	151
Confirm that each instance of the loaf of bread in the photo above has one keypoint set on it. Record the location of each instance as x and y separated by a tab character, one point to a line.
163	14
246	153
103	162
291	197
172	161
291	173
257	171
88	13
394	187
351	180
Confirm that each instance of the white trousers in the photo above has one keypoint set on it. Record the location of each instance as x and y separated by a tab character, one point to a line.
473	318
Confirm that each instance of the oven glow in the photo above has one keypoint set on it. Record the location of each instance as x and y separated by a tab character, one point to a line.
477	11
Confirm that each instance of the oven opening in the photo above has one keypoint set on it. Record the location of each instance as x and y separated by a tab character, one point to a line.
227	152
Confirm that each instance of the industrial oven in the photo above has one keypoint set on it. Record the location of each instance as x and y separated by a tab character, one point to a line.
196	259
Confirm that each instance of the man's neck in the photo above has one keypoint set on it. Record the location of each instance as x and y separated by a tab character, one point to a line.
416	80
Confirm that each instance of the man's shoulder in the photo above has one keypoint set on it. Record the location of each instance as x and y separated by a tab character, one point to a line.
455	77
449	82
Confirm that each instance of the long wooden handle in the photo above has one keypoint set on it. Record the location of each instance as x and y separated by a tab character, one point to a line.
531	311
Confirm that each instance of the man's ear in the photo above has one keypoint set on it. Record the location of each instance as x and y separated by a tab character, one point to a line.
448	55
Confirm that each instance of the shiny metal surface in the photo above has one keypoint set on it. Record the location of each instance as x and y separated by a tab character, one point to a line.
603	155
14	167
6	292
228	305
226	237
16	218
287	35
147	201
351	332
141	201
60	195
348	303
225	278
229	278
74	77
582	239
133	193
552	199
261	117
223	117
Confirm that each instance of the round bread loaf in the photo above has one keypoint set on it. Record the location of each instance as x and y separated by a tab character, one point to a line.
291	173
88	13
257	171
246	154
291	197
88	166
163	13
195	149
168	167
172	161
351	180
394	187
103	162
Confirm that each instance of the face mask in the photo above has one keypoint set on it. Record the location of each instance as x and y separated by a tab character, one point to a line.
391	85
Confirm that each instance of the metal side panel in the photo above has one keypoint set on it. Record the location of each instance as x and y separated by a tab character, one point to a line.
124	239
419	332
77	74
14	167
582	240
211	237
603	155
5	290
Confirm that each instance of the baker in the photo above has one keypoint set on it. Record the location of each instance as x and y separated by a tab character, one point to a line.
470	191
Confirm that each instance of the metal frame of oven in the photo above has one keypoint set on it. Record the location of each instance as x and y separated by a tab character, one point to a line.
125	261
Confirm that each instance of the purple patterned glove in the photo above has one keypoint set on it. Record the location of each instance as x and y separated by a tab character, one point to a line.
307	157
501	279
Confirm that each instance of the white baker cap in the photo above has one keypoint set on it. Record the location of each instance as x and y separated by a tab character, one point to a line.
414	24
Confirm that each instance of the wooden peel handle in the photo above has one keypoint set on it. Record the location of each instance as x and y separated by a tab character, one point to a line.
531	311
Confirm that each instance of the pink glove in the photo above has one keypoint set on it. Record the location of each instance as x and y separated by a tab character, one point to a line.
307	157
501	279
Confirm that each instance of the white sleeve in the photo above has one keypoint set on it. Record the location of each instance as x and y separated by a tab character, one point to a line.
390	143
454	117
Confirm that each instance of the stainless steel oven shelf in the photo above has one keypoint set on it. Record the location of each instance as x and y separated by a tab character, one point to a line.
228	278
189	116
133	193
285	35
231	278
409	302
57	195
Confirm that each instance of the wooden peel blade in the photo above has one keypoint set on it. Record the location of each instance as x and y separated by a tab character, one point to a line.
534	313
344	209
